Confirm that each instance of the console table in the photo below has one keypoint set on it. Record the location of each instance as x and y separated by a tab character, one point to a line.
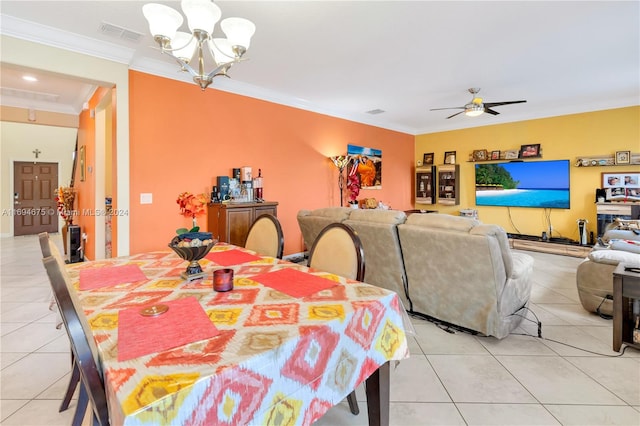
552	247
230	222
626	286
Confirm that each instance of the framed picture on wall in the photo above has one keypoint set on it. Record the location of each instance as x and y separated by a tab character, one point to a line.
480	155
511	154
530	151
495	155
427	158
450	157
623	157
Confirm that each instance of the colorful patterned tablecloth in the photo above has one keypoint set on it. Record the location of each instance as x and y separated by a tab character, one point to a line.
276	360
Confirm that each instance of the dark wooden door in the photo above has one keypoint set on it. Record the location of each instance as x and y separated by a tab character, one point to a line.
34	186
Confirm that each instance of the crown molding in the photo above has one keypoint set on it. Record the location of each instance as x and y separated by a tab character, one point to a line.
49	36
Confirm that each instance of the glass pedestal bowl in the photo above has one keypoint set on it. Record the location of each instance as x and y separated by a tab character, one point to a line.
192	255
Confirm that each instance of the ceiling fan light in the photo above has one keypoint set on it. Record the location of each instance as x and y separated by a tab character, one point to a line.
201	14
238	31
473	110
163	20
184	46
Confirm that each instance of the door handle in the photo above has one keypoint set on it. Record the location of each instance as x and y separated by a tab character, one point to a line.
16	202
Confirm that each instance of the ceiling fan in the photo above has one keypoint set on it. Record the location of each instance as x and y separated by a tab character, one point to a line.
477	107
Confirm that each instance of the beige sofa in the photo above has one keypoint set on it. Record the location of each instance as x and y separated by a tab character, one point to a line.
450	268
463	272
594	276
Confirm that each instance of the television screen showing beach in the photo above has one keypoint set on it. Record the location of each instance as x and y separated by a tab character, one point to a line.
541	184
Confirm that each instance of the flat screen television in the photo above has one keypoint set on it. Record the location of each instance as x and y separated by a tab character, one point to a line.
539	184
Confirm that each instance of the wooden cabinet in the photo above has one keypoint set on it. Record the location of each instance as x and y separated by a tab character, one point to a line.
230	222
449	184
425	185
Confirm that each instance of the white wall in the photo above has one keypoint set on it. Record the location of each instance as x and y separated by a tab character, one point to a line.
18	141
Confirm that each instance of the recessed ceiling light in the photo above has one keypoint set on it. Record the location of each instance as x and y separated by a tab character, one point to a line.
375	111
29	78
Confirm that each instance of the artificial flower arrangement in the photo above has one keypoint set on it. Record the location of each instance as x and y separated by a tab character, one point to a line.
191	206
65	198
353	185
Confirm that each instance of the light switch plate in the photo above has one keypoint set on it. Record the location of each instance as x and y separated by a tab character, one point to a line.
146	198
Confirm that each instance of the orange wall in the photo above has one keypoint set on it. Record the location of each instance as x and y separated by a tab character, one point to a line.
181	138
86	190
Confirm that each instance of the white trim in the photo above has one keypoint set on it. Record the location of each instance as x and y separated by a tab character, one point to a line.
49	36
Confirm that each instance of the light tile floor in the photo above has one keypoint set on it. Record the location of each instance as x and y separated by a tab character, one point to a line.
450	379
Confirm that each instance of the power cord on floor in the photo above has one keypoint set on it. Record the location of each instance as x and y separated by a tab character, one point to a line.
539	336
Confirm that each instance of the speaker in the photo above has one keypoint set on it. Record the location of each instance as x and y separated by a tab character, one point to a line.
74	245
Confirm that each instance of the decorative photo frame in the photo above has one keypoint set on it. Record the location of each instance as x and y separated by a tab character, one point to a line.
449	157
480	155
427	159
511	154
530	151
621	179
495	155
623	157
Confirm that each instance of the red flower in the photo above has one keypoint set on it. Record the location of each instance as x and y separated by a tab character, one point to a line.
192	205
353	185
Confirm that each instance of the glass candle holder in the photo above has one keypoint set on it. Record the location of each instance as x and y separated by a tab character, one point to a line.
223	279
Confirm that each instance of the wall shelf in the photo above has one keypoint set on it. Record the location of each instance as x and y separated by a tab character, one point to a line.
604	161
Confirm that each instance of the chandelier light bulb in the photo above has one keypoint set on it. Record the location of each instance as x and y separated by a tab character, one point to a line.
238	31
184	45
201	15
163	20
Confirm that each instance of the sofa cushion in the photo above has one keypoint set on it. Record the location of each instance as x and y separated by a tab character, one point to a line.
337	213
613	257
378	216
625	245
500	235
443	221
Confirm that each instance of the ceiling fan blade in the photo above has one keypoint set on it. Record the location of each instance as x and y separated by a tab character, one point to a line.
490	111
495	104
457	113
436	109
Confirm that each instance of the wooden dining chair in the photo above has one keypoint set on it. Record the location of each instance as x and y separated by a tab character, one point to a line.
46	246
265	236
338	250
83	349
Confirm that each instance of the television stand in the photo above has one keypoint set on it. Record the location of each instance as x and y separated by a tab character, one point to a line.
555	245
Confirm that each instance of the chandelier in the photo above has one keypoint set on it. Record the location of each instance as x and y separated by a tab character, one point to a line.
202	16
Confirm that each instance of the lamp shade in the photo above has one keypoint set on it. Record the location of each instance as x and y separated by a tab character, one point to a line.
340	161
201	14
163	20
184	45
473	110
238	31
221	50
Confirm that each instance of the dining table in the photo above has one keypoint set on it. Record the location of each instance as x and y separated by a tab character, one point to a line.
284	345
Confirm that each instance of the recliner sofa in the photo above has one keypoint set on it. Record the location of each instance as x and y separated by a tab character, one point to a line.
451	268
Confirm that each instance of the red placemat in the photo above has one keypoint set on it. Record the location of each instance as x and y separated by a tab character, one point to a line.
231	257
185	322
110	275
294	282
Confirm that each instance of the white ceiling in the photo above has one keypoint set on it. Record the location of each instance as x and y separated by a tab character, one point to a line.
344	58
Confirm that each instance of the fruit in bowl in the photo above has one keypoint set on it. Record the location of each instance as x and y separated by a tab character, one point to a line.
192	246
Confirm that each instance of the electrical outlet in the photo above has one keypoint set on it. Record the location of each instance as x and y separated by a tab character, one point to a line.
84	236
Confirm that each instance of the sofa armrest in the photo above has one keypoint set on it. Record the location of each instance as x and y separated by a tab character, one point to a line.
613	257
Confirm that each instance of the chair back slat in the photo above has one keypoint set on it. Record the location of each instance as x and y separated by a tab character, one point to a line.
338	250
265	236
90	371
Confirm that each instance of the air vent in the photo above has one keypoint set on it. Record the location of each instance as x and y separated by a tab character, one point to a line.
119	32
28	94
375	111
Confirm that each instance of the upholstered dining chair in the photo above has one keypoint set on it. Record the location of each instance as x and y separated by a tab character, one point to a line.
338	250
265	236
46	246
91	382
